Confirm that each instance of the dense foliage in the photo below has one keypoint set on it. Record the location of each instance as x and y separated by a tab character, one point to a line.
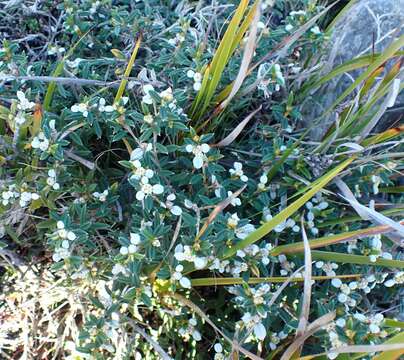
148	211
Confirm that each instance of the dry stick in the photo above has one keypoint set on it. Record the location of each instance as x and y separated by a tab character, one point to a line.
304	317
367	348
148	338
76	81
199	311
311	329
79	159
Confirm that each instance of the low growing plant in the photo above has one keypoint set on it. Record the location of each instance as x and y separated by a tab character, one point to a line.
160	199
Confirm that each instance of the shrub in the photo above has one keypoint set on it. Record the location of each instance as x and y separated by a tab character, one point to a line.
157	188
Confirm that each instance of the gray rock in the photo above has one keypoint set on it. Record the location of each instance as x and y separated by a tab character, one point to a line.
368	25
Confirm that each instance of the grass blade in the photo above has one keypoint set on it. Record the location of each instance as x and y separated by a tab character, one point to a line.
298	247
59	69
393	354
128	70
304	316
237	130
259	280
247	57
381	59
355	259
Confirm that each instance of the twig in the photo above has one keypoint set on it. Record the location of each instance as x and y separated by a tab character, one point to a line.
79	159
148	338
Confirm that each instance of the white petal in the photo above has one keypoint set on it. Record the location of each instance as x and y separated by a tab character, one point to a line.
136	154
185	282
149	173
198	162
176	210
158	189
259	331
390	283
196	335
205	148
171	197
124	250
189	148
218	348
134	238
140	195
71	235
147	88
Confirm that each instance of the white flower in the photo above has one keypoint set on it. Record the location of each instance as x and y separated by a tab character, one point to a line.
199	152
262	183
147	99
328	268
40	142
117	269
104	108
19	118
243	231
148	119
82	108
238	171
148	189
183	253
101	196
397	280
232	221
24	104
141	173
197	77
167	95
135	238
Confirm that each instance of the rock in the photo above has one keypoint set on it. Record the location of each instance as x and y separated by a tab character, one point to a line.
368	25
